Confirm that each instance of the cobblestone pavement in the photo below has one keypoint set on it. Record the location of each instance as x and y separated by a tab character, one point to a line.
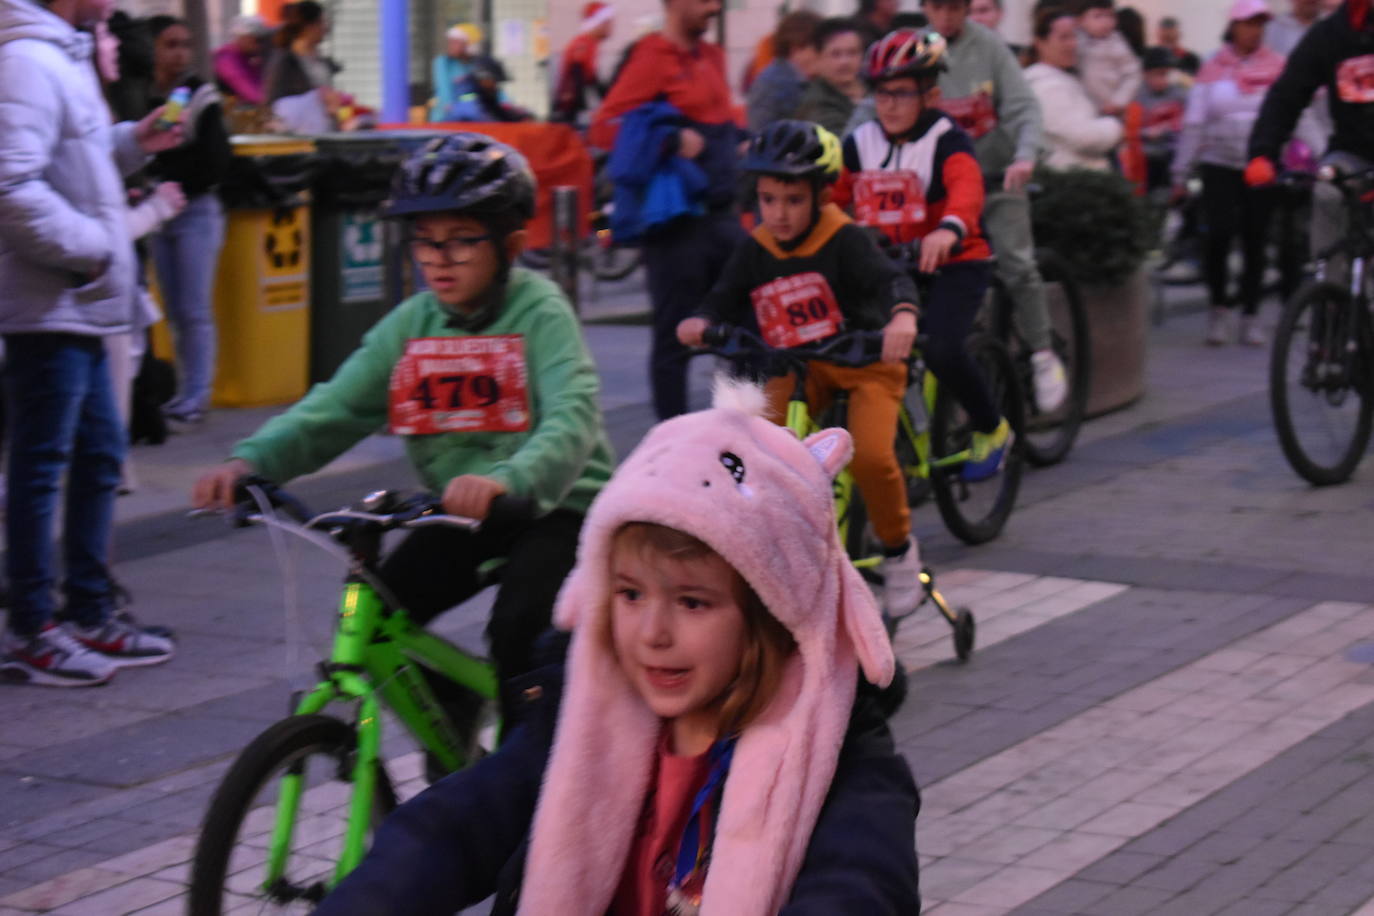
1170	708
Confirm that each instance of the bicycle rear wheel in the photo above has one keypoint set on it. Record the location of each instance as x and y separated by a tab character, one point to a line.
1051	434
229	869
611	262
976	511
1321	383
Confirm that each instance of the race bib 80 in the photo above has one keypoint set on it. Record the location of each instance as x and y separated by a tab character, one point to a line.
796	310
460	385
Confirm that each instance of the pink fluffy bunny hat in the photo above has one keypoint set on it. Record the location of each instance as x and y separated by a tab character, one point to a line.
762	500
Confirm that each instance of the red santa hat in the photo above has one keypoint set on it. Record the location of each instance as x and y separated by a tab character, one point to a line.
594	14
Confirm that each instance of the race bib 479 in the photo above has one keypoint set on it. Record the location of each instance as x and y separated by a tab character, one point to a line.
460	385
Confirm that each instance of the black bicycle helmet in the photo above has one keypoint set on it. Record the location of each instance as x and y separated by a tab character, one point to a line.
469	173
795	149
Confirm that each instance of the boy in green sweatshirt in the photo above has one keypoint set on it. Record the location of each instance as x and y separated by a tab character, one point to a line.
486	378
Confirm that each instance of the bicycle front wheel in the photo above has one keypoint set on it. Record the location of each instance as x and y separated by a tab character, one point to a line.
228	873
976	511
611	262
1321	383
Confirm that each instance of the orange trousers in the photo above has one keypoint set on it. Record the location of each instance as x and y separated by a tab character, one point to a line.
875	397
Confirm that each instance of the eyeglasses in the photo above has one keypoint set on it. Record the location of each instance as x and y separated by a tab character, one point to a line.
456	250
895	95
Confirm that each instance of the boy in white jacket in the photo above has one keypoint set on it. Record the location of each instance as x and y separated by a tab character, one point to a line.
1109	69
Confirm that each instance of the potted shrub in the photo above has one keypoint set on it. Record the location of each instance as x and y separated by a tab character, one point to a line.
1094	221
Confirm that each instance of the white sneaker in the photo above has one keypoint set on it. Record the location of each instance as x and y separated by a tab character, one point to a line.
902	590
1050	382
124	643
1218	326
1250	332
53	658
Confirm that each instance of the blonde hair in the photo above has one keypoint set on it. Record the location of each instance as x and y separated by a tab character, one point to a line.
767	643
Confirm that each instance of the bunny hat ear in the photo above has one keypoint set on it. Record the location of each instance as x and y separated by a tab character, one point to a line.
832	448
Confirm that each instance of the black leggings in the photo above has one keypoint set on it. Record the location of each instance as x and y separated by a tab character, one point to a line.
948	308
434	569
1230	208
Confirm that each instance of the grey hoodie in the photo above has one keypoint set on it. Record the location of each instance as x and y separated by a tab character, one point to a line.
66	262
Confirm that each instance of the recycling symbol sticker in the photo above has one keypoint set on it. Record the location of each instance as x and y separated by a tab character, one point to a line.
283	244
360	255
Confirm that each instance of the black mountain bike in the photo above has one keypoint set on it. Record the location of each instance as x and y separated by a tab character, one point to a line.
1321	369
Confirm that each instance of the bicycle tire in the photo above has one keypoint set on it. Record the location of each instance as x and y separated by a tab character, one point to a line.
1049	438
950	433
1324	310
614	263
288	743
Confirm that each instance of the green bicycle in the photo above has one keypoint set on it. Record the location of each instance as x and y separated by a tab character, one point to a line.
274	838
932	454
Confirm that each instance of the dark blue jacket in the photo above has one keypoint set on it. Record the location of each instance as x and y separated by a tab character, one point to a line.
653	185
467	836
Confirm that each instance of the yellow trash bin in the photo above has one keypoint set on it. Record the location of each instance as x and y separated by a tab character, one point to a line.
262	291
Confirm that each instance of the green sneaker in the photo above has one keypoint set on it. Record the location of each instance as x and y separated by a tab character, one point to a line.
988	452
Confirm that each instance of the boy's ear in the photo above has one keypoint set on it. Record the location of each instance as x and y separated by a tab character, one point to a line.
933	96
515	243
827	193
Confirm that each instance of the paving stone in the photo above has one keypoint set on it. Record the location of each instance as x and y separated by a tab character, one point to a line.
124	898
1249	906
1070	896
56	892
1128	901
1120	867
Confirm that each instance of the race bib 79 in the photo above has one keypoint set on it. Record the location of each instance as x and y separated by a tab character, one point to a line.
887	199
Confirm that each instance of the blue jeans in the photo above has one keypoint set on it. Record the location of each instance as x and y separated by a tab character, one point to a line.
186	255
62	420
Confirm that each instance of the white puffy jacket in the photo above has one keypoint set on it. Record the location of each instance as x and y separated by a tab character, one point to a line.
62	205
1076	136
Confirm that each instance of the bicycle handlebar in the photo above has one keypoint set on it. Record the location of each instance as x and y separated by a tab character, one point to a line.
852	349
388	509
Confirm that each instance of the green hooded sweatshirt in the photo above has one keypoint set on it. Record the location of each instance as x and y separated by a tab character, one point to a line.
562	459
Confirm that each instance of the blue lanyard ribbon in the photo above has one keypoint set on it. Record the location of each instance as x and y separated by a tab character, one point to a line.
695	847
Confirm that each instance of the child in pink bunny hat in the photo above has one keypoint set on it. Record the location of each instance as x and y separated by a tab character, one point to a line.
711	752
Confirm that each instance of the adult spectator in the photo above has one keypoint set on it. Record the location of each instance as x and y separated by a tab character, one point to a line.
1285	30
186	250
1108	67
830	94
985	90
676	65
874	20
299	82
1076	136
67	268
239	64
577	69
1170	37
1222	107
777	91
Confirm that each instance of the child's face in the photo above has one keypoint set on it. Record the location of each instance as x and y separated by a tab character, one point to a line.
467	266
1097	22
785	206
899	103
838	62
678	630
1157	79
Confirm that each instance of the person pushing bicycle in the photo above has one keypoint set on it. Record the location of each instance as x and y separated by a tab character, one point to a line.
806	273
486	378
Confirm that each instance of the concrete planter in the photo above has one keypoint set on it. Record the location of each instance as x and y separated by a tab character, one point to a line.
1118	321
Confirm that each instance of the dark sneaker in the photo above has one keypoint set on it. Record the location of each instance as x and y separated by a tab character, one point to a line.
53	658
124	643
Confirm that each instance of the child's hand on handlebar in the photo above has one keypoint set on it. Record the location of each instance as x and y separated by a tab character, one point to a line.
935	249
898	336
470	495
215	488
690	331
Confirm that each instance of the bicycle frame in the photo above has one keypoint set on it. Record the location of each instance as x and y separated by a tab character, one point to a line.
375	653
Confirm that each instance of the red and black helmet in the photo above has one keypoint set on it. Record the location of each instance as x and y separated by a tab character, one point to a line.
905	52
